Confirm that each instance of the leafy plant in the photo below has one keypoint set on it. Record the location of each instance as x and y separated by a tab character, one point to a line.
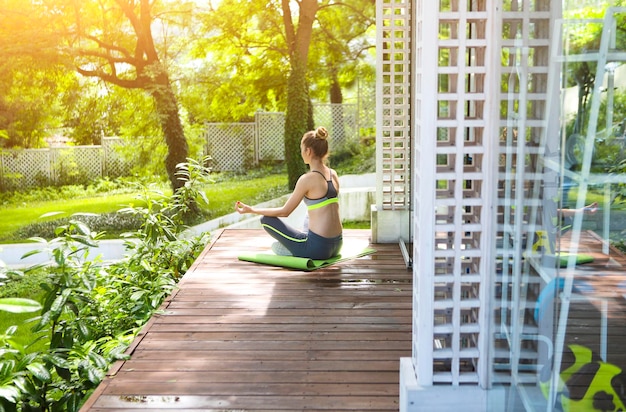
91	311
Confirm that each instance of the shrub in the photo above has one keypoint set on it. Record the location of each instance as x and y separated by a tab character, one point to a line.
91	311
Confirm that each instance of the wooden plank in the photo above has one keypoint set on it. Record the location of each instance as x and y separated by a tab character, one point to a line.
274	336
215	365
252	327
276	345
131	377
277	354
269	402
250	389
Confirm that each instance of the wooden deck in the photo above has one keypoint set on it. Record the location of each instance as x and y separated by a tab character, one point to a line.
242	336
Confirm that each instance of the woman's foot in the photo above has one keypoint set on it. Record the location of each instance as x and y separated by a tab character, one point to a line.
280	250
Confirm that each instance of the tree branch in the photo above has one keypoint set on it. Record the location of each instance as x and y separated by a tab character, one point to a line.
128	58
113	79
290	31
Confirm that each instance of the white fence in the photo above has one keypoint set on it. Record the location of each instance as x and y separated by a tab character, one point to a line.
232	146
236	146
20	168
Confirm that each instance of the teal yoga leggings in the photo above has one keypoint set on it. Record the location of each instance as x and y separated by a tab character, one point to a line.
299	243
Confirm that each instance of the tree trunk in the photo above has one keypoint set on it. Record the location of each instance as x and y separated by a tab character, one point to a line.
299	113
177	147
298	120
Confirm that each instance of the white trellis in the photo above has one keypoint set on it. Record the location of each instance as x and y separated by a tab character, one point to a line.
390	216
229	145
475	185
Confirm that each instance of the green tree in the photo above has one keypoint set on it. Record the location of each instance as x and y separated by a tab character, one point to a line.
114	41
257	53
583	38
32	74
241	62
339	57
339	52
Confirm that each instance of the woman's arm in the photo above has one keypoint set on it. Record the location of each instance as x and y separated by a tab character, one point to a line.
589	209
283	211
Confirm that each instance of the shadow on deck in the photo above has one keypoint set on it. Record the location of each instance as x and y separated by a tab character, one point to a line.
244	336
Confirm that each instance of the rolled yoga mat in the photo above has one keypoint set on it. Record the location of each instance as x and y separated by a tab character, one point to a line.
305	264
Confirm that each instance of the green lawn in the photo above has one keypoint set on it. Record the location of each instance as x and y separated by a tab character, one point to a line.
222	197
15	216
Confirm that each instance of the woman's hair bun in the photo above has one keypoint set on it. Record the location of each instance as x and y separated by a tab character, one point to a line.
321	133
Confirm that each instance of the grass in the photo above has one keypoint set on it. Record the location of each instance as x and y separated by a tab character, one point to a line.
222	195
15	216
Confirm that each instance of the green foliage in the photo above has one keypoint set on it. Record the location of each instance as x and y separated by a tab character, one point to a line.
242	63
19	305
26	106
355	158
90	312
339	52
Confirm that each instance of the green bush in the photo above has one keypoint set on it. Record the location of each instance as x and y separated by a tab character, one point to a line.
92	311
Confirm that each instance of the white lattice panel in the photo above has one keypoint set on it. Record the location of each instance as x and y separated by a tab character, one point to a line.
461	137
341	120
270	135
393	104
113	163
231	145
25	168
453	156
82	161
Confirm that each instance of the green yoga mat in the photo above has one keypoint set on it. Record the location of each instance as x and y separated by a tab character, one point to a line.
581	258
562	258
299	263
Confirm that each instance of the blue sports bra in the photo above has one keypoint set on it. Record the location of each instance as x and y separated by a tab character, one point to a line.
330	197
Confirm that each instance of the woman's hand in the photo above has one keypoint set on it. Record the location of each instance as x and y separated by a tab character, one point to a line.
242	208
591	209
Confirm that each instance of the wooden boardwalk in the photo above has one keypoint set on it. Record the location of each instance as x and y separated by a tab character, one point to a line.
242	336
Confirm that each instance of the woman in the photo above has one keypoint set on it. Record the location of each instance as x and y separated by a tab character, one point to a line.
319	189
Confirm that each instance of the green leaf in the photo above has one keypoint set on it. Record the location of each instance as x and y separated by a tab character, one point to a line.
95	375
31	253
74	402
57	360
50	214
83	330
39	371
137	295
59	302
19	305
9	393
6	368
82	228
97	360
